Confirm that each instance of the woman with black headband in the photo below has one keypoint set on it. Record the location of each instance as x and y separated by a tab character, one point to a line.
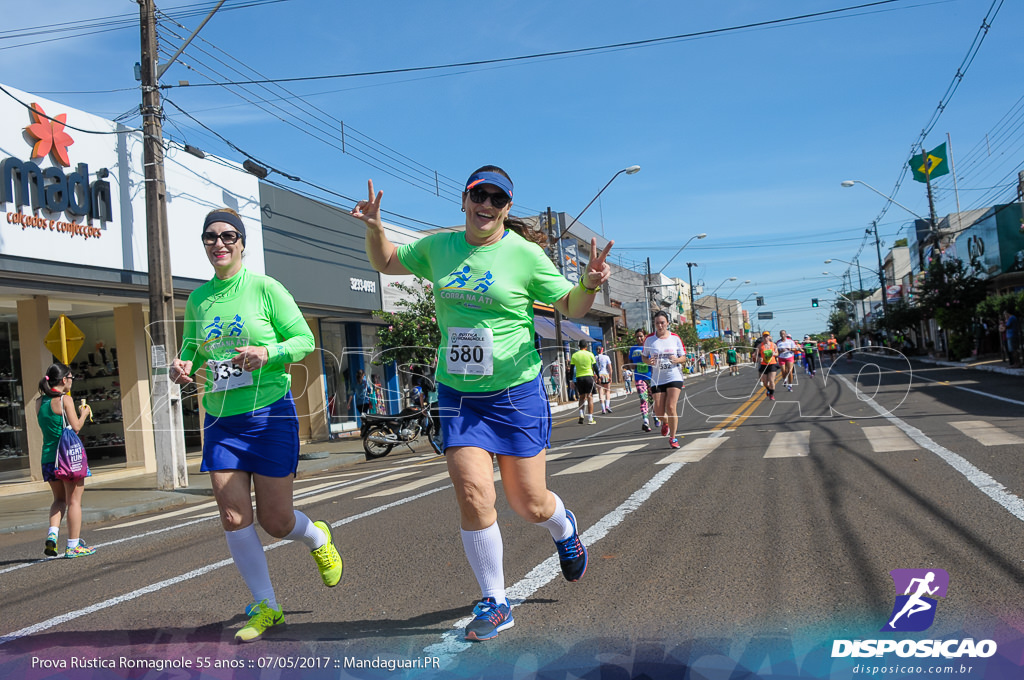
246	328
490	394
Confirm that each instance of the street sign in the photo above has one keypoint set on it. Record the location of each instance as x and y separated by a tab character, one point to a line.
764	315
64	339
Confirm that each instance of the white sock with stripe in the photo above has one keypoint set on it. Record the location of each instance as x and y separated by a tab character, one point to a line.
307	532
247	551
558	524
485	553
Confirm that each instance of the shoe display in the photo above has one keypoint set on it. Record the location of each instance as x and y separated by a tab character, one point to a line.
328	561
262	619
572	554
80	550
490	619
51	544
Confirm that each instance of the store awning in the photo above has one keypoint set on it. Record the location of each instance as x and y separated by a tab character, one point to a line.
545	328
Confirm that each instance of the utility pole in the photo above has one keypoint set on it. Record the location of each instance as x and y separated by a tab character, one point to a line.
563	367
693	308
881	271
168	427
647	297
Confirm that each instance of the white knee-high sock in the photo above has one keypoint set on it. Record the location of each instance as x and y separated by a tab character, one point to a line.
485	553
558	524
250	560
305	531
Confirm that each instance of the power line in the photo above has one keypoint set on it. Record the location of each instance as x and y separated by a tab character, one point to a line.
561	53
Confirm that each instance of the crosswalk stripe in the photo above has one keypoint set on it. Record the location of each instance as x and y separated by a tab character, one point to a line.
886	438
411	486
790	445
693	452
600	460
986	434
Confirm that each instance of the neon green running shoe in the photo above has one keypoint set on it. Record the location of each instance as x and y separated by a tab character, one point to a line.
263	618
328	561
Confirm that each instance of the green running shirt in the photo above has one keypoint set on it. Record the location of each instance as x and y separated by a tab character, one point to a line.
583	360
484	298
247	309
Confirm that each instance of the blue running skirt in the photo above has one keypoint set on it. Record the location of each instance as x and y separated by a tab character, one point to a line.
512	422
264	441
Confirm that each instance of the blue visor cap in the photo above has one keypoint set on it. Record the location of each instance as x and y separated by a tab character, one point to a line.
498	180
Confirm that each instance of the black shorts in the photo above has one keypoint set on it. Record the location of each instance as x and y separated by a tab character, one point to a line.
770	368
604	380
585	385
678	384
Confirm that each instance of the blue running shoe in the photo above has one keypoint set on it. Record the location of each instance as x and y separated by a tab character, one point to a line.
572	554
491	619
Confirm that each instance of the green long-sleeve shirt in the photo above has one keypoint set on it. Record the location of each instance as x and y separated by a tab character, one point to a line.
247	309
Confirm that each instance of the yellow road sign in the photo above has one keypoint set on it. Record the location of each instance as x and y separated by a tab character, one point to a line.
64	339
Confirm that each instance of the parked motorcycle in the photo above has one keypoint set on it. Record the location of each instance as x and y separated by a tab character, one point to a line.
382	433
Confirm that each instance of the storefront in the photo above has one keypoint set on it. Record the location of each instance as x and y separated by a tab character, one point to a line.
73	243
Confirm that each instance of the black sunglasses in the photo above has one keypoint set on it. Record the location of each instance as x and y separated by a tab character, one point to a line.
498	199
228	238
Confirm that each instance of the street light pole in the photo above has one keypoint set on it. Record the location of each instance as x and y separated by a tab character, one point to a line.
557	248
718	314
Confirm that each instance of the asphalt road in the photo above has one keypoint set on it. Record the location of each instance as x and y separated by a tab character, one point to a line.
771	533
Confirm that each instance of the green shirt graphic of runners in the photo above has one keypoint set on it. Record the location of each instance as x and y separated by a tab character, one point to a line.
484	300
247	309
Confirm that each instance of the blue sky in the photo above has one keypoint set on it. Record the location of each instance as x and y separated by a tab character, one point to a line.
745	135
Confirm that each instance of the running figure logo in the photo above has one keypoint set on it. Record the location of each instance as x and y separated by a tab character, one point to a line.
914	610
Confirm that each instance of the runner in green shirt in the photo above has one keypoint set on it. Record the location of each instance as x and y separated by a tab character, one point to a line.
492	403
584	362
246	328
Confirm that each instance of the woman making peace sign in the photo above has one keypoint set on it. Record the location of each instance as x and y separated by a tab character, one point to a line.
492	401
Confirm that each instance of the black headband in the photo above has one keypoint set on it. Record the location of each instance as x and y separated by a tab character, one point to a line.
228	218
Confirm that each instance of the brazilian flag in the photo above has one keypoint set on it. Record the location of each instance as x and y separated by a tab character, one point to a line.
932	166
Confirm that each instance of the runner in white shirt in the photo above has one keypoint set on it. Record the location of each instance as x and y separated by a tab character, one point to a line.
664	352
604	379
787	358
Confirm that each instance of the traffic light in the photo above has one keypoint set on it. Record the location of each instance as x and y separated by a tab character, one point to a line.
814	302
760	301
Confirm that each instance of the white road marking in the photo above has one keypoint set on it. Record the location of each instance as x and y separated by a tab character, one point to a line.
195	573
452	642
411	486
601	460
981	480
694	451
918	376
886	438
790	445
986	434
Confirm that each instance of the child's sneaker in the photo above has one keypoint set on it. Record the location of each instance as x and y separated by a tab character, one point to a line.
80	550
51	544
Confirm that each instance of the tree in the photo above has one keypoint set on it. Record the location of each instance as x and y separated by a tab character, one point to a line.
901	317
687	332
411	335
950	294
